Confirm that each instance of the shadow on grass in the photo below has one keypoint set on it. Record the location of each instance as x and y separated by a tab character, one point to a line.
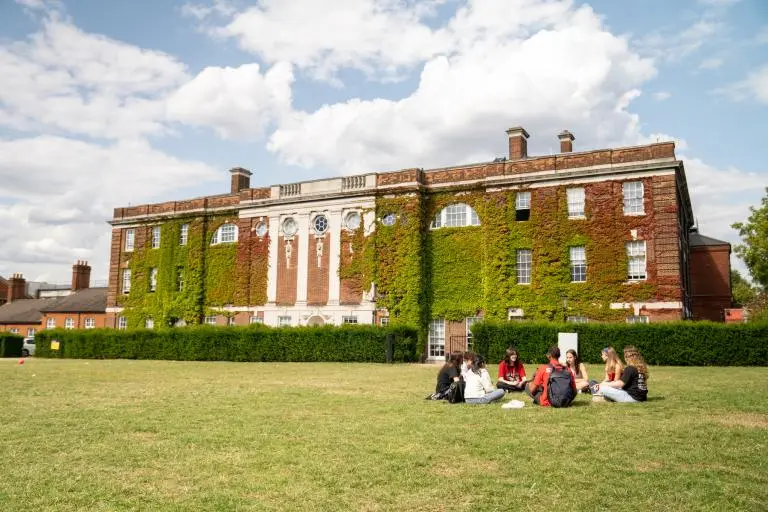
656	398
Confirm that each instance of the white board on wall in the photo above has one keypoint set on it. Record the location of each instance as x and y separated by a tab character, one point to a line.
567	341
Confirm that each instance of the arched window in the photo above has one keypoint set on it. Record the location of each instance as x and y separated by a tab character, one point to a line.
226	234
456	216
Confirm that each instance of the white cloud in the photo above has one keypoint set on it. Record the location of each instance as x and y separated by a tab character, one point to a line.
719	3
662	95
711	63
236	102
753	87
92	85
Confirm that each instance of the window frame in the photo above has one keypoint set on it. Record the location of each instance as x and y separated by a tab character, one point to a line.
210	320
255	320
122	323
639	276
50	323
574	213
523	206
149	323
436	332
284	321
518	268
467	218
578	267
218	235
184	234
89	322
153	279
31	331
320	218
155	242
125	287
69	323
349	320
629	192
638	319
130	236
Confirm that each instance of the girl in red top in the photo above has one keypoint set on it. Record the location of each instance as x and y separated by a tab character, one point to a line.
511	372
613	365
577	369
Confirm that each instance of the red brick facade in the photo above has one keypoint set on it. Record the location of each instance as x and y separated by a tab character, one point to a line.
710	281
317	276
287	270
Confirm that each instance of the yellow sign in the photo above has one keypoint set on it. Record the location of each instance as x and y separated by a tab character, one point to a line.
54	345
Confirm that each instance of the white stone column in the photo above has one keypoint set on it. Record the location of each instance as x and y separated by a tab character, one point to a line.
334	257
303	259
274	234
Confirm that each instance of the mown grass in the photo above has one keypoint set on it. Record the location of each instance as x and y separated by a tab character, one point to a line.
159	435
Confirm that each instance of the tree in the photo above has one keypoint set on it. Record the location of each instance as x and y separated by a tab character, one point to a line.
754	250
742	292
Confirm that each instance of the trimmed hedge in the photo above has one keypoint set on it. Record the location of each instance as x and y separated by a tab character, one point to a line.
10	344
672	344
253	343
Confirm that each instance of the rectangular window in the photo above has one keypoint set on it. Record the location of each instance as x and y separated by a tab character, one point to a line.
577	319
122	322
180	279
69	323
637	319
522	206
228	233
524	264
575	203
130	239
283	321
633	198
210	320
13	330
152	279
50	323
455	215
149	323
384	321
155	237
31	332
470	339
90	323
636	260
184	234
578	264
437	338
127	280
349	319
256	320
230	321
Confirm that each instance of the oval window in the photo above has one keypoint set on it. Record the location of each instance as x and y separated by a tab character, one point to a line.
352	221
261	229
321	224
290	227
388	219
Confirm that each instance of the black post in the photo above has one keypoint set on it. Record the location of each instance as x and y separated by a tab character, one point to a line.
390	347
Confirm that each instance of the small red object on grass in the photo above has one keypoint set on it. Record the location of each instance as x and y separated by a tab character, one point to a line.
21	361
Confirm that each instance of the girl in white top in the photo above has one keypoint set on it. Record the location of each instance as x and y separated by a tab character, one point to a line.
479	388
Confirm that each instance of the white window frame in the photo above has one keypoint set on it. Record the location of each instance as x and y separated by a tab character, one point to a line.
13	330
210	320
284	321
638	319
153	279
637	261
384	321
578	258
576	202
255	320
149	323
468	323
634	197
577	320
90	322
184	234
69	323
155	244
180	281
436	338
31	331
320	224
349	319
524	266
457	215
126	288
50	323
225	234
122	323
130	240
230	321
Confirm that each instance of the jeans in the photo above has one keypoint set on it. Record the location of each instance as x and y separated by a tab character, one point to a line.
615	394
488	398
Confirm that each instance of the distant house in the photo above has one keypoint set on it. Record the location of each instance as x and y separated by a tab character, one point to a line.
84	309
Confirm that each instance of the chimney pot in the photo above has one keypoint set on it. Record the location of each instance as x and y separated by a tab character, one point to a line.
17	287
566	141
241	179
518	143
81	275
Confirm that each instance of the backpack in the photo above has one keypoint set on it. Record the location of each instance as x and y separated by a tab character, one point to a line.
559	390
456	392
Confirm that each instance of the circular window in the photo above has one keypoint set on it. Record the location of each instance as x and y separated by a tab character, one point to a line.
352	221
321	224
290	227
261	229
388	219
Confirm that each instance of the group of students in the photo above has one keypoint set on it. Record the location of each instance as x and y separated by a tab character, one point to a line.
464	377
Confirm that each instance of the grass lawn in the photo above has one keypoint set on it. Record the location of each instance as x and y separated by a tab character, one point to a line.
159	435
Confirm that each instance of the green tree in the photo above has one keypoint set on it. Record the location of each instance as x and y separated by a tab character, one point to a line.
754	234
742	291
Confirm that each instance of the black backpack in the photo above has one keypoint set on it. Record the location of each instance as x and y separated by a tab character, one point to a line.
456	392
560	393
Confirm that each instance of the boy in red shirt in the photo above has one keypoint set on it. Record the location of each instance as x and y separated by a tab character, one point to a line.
537	389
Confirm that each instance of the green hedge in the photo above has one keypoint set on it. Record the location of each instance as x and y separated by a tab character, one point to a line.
673	344
10	344
253	343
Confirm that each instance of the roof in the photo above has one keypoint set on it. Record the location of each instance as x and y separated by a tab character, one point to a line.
87	300
23	311
698	240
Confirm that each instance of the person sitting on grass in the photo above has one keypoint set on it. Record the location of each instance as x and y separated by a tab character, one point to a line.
449	373
467	359
632	385
577	369
613	365
511	372
565	387
479	388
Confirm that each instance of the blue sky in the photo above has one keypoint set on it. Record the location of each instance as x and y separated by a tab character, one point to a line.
124	102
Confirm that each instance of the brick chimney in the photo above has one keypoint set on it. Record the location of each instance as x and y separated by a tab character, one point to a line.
81	275
518	143
17	287
566	141
241	179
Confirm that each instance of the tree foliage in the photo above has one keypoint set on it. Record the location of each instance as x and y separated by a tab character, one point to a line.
742	291
754	234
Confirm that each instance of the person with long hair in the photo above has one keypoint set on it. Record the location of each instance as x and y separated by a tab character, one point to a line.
632	385
449	373
613	365
511	372
577	369
479	388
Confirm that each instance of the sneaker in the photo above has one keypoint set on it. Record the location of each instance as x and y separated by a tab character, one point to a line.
594	388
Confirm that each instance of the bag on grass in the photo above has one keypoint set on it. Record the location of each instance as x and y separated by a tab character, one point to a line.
456	392
560	393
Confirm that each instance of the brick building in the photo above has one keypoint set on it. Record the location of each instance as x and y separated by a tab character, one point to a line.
710	277
580	236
